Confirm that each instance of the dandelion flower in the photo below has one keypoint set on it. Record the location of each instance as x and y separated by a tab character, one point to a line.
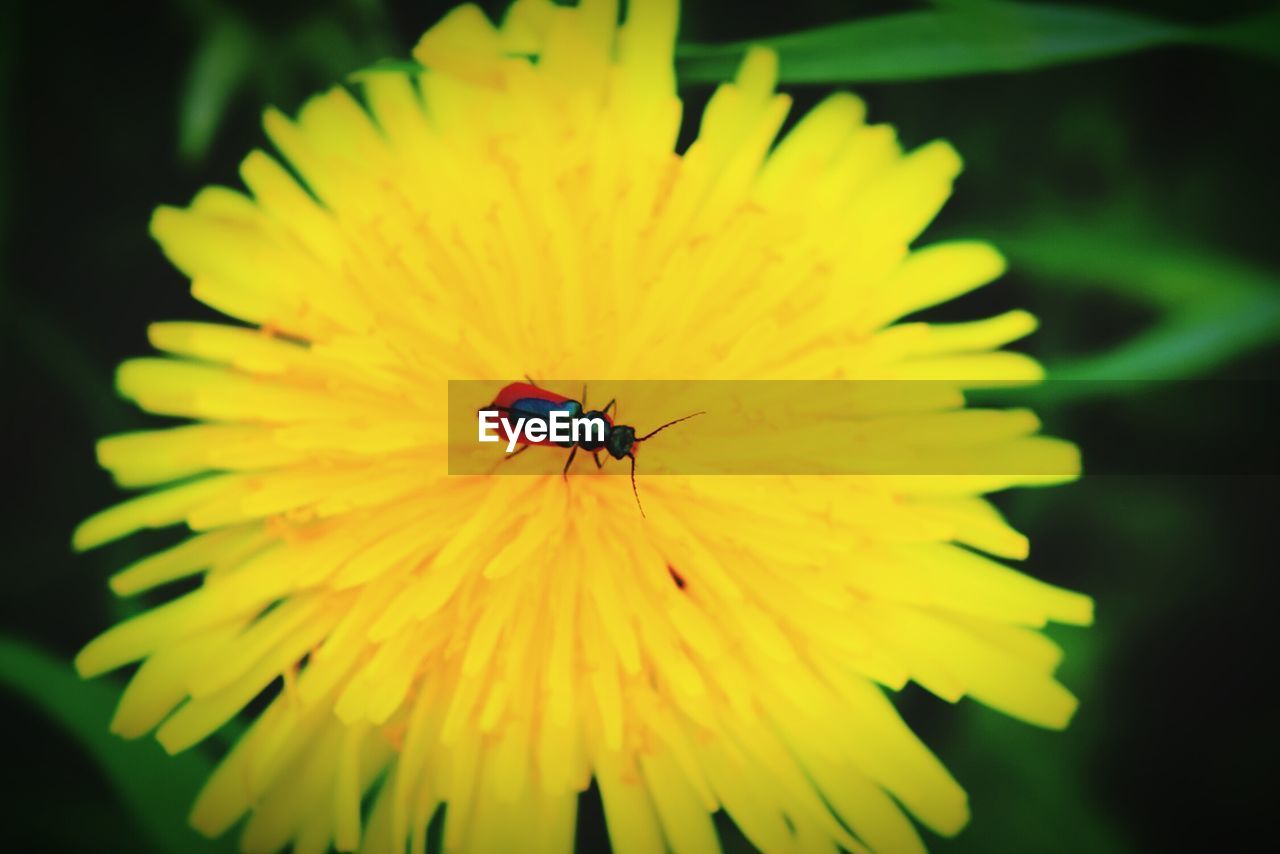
494	645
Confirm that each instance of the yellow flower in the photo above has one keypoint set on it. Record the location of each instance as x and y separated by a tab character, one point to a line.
495	644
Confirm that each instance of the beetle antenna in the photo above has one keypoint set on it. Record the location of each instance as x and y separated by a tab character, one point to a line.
665	426
633	484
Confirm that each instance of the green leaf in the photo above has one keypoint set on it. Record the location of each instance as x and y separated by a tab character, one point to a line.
1259	36
327	49
963	38
156	788
1214	308
221	65
956	39
1182	346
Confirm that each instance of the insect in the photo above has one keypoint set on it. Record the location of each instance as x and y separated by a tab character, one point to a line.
531	401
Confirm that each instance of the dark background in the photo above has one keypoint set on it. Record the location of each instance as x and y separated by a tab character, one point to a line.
1131	194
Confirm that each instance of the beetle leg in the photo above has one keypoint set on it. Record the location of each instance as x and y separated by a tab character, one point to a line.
610	406
584	396
595	455
569	462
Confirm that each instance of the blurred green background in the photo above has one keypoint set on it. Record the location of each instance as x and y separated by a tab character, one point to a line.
1122	161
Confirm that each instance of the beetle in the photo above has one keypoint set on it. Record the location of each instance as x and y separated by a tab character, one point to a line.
531	401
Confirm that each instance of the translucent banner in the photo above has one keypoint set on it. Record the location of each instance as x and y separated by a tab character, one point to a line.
855	427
